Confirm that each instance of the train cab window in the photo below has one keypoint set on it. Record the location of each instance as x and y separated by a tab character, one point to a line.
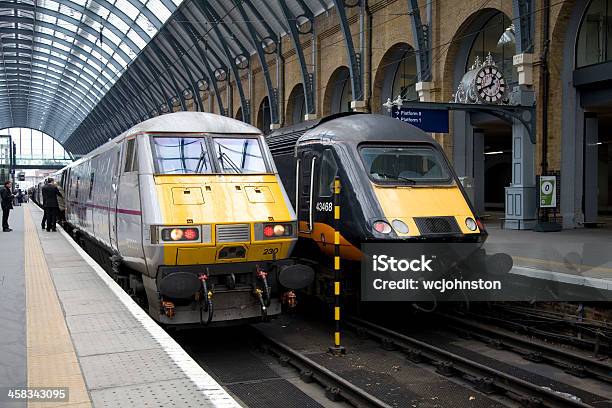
180	155
131	159
405	165
327	173
239	155
91	184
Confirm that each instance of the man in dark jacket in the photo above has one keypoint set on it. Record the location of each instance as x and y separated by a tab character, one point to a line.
50	193
7	204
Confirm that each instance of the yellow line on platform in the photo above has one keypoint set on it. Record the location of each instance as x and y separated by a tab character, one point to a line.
52	360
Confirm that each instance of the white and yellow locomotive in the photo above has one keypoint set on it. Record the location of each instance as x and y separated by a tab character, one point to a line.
189	214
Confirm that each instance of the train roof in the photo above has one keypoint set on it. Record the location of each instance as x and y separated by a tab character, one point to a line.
192	122
180	122
356	129
349	127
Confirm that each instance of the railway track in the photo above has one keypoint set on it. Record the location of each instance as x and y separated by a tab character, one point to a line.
566	329
336	387
484	378
569	361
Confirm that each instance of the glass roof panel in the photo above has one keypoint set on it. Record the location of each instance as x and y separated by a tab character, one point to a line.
79	48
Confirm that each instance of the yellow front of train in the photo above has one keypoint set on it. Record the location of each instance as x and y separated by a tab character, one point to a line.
221	251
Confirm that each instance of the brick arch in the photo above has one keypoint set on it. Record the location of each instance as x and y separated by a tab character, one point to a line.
261	115
295	101
460	42
385	73
340	74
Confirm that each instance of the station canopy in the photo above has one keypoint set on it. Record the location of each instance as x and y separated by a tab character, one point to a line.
85	70
60	57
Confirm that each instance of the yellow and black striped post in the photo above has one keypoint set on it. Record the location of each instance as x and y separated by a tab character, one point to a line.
337	348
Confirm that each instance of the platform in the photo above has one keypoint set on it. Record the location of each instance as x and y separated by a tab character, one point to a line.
573	256
66	323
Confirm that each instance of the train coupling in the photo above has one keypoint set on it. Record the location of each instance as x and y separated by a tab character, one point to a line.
289	298
168	309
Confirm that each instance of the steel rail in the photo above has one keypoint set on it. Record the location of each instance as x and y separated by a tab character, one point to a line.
486	379
572	363
337	387
598	343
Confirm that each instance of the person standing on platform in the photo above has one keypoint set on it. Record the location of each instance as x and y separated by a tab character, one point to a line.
43	224
50	204
7	204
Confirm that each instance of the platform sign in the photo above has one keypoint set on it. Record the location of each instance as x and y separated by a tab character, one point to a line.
548	192
429	120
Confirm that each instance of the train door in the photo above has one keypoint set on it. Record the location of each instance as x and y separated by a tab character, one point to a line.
323	198
129	214
304	196
114	195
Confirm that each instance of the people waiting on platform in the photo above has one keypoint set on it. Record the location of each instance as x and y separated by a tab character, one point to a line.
7	204
50	193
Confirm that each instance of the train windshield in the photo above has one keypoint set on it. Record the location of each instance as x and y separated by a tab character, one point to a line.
181	155
405	165
206	155
239	155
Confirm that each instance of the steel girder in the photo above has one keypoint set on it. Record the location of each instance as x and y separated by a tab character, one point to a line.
195	37
212	15
168	65
155	77
272	92
307	78
524	22
183	55
355	71
421	37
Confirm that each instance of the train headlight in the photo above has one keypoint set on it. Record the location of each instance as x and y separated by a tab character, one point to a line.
274	230
279	230
180	234
382	227
176	234
470	224
400	226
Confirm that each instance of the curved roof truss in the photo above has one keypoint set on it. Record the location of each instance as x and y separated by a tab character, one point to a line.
61	57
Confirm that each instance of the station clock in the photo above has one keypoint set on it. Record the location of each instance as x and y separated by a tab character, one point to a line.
490	84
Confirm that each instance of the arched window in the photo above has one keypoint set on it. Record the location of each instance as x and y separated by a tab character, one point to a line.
296	108
594	43
495	37
263	116
35	148
338	93
405	79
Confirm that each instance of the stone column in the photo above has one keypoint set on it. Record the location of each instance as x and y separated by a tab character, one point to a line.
424	90
359	106
468	156
520	205
478	170
591	137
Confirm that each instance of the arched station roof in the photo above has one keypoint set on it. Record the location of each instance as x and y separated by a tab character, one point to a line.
203	44
60	57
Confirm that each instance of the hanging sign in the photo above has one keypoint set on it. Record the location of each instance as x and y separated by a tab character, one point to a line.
428	120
